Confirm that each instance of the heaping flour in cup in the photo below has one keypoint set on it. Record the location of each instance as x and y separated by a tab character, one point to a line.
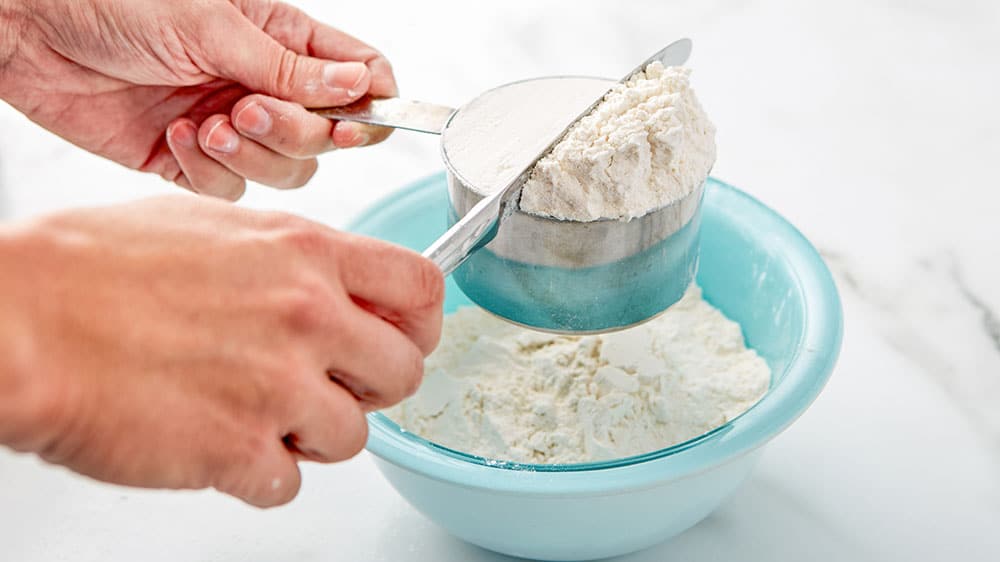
647	144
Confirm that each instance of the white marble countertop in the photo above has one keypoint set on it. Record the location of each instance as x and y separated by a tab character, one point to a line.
872	126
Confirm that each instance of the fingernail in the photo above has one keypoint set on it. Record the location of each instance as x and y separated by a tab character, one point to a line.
184	134
254	120
349	76
222	138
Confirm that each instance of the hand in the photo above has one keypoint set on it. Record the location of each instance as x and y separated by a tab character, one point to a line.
186	343
166	87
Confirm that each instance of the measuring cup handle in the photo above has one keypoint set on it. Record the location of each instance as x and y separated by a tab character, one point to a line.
473	231
392	112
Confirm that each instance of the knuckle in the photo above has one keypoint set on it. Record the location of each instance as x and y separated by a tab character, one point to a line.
306	237
286	73
279	220
308	306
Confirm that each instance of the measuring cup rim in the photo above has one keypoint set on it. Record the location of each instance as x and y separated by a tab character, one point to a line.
452	169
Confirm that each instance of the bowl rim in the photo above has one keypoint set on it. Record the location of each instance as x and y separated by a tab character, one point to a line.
801	382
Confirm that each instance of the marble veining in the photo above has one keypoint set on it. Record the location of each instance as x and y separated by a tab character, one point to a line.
944	326
988	317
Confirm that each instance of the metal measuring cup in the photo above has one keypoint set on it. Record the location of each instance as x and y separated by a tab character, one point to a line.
546	273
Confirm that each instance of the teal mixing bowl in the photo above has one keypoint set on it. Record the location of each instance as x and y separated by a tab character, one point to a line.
755	267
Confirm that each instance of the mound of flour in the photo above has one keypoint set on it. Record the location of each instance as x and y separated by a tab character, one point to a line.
648	144
500	391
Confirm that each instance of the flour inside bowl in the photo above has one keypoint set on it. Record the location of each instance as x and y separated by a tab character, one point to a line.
496	390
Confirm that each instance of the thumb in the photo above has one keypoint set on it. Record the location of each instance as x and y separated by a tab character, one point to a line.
256	60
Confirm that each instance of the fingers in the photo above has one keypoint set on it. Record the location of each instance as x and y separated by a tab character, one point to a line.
383	80
269	141
248	55
279	51
396	283
284	127
201	173
374	359
330	426
215	158
289	129
296	30
263	474
331	43
266	140
248	159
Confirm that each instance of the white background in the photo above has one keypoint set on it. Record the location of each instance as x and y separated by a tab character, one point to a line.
873	126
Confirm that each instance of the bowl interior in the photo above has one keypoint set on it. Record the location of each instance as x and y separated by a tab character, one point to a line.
754	266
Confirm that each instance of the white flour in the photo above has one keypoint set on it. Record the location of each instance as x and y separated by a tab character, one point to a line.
499	391
648	144
490	140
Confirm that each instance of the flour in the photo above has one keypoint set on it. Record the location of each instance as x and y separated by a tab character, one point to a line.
648	144
500	391
493	138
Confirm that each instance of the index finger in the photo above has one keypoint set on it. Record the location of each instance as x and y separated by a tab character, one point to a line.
395	283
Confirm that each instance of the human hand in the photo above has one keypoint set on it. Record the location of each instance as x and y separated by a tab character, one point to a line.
188	343
205	94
